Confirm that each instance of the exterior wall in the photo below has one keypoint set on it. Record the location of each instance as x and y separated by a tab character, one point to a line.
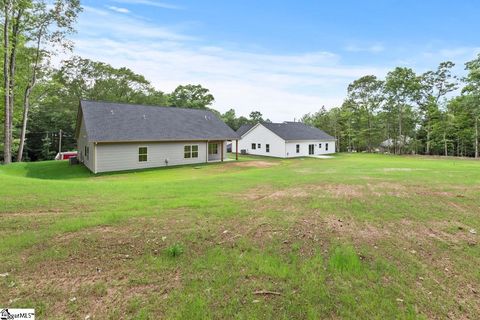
124	156
218	156
292	145
82	141
262	135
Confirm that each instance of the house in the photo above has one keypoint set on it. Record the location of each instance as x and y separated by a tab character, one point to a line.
116	136
390	144
284	140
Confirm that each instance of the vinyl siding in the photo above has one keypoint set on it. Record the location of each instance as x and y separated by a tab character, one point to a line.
218	156
262	135
82	141
124	156
291	148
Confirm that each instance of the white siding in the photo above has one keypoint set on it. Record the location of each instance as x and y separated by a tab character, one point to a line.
124	156
263	136
82	141
292	145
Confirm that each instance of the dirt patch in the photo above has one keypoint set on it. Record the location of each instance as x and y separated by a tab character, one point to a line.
344	190
402	169
304	191
99	268
255	164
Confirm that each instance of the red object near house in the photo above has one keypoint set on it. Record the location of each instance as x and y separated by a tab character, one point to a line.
65	155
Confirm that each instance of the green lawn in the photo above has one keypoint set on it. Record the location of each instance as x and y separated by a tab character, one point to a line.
354	237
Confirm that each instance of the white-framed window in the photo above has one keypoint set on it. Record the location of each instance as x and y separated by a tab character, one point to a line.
190	151
298	148
326	146
259	146
254	146
142	154
267	148
320	145
87	152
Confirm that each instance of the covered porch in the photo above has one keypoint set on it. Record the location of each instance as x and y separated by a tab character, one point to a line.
217	150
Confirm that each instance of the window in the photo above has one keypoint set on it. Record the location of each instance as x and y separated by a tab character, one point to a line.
213	148
267	147
142	154
326	146
87	152
311	149
254	146
320	145
298	148
259	146
194	151
190	151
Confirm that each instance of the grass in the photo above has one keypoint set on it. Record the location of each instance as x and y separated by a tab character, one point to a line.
357	236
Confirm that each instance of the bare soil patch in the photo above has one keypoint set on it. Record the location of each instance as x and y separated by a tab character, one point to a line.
402	169
254	164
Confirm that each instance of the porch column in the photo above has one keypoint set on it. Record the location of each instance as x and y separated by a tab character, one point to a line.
206	156
236	151
222	150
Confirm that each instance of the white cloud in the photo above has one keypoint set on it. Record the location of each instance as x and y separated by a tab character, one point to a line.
94	21
375	48
281	86
151	3
118	9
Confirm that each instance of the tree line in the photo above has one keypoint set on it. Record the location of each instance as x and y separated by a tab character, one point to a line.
430	113
433	113
41	101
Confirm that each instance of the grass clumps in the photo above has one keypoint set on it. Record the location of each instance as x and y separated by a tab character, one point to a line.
344	259
175	250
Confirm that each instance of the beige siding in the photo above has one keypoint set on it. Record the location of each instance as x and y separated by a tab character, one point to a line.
218	156
124	156
81	143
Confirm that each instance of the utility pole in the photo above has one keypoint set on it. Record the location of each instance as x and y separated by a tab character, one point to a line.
60	141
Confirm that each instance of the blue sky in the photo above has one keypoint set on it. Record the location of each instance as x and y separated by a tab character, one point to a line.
283	58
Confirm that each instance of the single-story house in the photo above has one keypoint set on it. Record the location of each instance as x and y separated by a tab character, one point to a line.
117	136
283	140
390	144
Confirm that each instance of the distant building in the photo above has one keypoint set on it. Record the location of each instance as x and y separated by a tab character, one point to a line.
284	140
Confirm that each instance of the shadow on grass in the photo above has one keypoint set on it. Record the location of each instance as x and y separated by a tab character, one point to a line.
62	170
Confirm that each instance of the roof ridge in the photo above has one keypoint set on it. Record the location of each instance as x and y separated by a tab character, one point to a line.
141	105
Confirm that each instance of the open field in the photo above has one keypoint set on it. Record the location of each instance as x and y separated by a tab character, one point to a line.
357	236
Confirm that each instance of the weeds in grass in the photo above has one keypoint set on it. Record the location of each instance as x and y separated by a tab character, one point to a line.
344	259
175	250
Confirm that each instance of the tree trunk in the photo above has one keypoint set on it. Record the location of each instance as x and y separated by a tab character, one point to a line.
400	116
26	100
369	133
26	107
476	137
428	138
7	147
445	143
12	67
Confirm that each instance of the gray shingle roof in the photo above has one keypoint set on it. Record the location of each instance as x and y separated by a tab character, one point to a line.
244	128
117	122
297	131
